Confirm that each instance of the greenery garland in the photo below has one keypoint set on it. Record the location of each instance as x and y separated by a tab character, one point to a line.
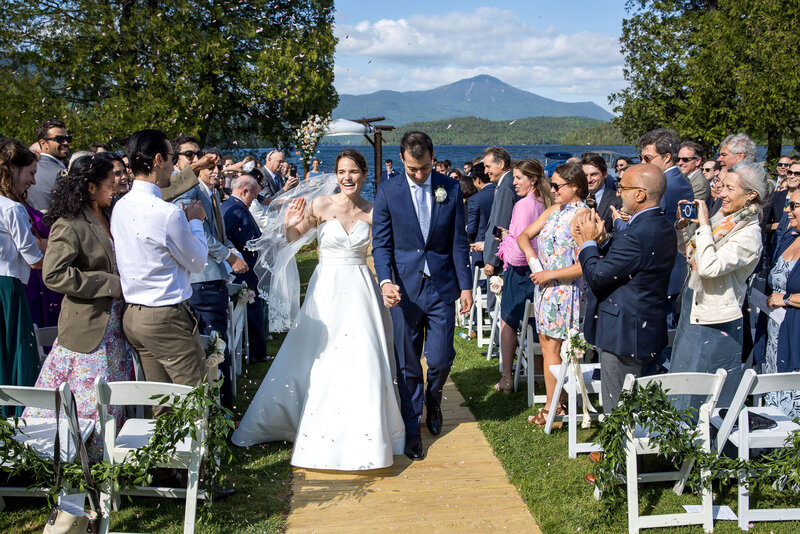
170	429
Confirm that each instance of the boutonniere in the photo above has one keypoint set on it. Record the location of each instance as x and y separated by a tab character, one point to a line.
440	194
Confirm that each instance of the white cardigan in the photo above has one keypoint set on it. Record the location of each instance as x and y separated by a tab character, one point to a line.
723	272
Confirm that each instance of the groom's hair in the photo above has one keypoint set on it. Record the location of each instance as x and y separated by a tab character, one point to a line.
416	144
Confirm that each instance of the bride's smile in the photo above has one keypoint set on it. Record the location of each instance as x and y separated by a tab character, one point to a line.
349	176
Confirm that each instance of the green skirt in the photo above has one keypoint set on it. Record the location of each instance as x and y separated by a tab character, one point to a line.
19	357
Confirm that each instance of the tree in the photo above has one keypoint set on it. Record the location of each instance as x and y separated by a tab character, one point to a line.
222	71
708	69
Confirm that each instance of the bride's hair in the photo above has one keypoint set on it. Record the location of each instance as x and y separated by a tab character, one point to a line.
354	155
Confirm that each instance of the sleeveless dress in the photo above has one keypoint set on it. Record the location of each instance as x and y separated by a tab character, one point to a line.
331	387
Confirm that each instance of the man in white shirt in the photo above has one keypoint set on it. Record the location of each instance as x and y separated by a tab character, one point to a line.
158	245
53	146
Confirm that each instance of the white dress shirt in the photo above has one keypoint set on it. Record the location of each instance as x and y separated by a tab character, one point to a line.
18	249
156	247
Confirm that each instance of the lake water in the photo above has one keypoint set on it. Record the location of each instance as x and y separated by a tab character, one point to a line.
457	154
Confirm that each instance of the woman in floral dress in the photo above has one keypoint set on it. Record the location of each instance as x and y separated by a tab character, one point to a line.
79	262
558	286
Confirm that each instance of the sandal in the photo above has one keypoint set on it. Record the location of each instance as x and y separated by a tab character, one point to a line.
505	385
540	419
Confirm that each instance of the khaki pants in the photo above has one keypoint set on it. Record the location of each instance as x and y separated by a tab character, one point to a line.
168	343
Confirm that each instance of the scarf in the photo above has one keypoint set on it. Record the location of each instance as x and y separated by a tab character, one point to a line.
722	228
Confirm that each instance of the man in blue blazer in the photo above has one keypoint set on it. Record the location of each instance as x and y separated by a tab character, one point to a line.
628	276
422	260
479	208
241	227
209	299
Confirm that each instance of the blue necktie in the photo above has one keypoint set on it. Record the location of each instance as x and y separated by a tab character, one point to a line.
423	210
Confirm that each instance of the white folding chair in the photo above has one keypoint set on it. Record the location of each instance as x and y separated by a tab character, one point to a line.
637	443
494	335
744	439
478	322
39	432
45	337
566	376
136	433
527	351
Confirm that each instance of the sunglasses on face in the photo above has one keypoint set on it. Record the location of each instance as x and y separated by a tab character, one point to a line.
191	154
687	160
647	158
793	205
792	173
556	186
783	164
60	139
708	169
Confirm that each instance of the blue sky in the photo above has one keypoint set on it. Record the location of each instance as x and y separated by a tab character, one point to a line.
567	50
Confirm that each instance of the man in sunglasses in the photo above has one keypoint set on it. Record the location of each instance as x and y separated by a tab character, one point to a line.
689	158
783	165
189	160
53	146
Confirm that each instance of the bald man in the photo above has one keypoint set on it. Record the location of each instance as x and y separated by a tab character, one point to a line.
628	275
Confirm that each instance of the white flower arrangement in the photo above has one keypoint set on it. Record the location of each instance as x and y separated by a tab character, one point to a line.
496	284
245	295
573	349
215	351
308	135
440	194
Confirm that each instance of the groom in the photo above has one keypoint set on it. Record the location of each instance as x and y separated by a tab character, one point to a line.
421	257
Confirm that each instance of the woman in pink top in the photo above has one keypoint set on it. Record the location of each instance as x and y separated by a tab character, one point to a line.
530	184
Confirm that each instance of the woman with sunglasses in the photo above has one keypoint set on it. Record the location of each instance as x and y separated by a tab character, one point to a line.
19	252
722	253
783	338
558	285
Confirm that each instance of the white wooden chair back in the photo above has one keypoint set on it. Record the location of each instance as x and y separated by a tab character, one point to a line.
706	384
45	337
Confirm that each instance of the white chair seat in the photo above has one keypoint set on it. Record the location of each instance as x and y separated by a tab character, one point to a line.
136	433
39	434
765	438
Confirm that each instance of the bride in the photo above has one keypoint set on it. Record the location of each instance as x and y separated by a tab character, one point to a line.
331	387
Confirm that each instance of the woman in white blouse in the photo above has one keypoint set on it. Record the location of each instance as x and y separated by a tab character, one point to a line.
19	361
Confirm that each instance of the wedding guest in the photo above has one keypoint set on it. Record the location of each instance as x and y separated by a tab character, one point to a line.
209	300
241	227
721	255
53	147
557	293
627	274
314	171
44	304
497	164
775	222
531	186
158	246
479	207
783	343
601	188
122	182
19	360
784	162
188	160
79	263
622	163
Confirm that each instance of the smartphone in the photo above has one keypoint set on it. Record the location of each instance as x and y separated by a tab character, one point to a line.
497	232
688	211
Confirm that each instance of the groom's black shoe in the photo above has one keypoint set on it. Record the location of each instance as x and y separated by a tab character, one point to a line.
433	419
414	448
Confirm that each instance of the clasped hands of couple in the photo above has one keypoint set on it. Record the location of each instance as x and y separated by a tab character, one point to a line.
392	297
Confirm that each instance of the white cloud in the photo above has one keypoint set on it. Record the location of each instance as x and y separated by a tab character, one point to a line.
419	52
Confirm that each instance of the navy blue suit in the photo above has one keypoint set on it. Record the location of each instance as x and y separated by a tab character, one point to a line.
479	208
425	315
240	228
626	307
678	188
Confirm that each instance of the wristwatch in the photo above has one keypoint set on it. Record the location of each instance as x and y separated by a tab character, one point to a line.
786	300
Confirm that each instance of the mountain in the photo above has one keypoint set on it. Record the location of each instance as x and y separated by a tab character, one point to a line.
483	96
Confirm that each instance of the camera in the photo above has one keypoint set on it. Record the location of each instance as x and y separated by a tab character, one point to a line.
688	211
497	232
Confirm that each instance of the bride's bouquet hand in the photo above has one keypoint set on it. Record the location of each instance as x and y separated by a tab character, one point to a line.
296	213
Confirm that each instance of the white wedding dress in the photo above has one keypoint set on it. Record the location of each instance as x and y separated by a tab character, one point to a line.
331	388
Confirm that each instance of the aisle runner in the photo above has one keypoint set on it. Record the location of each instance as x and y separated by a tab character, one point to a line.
459	487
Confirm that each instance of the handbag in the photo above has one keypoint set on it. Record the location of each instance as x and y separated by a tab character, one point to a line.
62	521
754	421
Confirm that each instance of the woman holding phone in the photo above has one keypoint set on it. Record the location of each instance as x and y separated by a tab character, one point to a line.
722	253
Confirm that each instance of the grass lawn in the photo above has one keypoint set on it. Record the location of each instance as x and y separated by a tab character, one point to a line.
550	483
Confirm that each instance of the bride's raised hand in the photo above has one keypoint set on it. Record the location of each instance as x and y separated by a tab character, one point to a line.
296	213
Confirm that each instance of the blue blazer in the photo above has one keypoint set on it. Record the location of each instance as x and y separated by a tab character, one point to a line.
400	251
479	208
626	311
240	228
218	250
505	196
678	188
